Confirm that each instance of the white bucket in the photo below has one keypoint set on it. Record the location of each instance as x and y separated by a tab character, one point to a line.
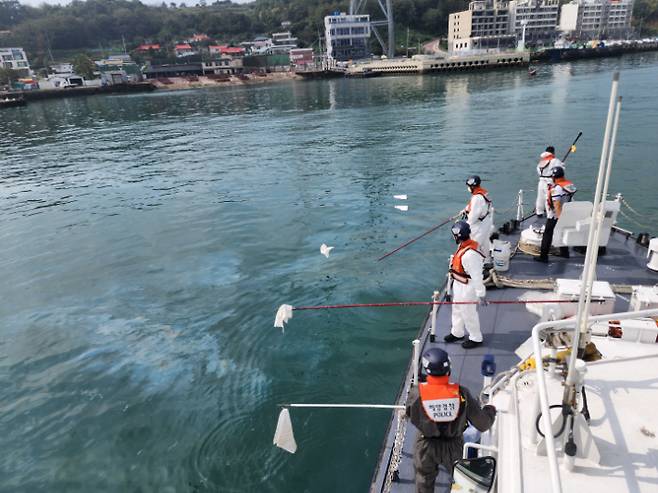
502	251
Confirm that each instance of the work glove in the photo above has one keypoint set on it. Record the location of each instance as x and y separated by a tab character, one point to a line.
483	301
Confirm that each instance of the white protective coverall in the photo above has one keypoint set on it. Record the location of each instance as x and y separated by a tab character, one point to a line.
547	162
466	316
481	229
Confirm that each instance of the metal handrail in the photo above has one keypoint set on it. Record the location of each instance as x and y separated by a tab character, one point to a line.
556	484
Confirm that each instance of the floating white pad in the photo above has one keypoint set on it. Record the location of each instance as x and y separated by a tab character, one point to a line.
400	197
325	250
403	208
283	314
283	436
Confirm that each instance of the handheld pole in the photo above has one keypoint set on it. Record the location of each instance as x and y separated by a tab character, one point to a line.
413	240
571	147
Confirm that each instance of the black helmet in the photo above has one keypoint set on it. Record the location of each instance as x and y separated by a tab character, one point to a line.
461	231
550	149
557	172
436	362
473	181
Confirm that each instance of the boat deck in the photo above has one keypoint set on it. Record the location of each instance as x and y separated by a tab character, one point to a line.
505	327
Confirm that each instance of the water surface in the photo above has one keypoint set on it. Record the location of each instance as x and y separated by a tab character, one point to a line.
147	241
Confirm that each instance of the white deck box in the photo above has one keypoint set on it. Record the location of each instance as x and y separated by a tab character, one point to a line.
569	289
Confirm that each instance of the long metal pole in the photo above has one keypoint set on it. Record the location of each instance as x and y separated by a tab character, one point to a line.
592	250
346	406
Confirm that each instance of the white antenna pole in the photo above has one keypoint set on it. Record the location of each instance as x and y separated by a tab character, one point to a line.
591	255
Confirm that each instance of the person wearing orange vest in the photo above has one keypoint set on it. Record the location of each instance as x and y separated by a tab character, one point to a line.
479	215
547	162
466	284
559	193
441	411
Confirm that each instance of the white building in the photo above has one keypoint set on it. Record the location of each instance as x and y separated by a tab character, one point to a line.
539	16
485	25
347	36
283	42
593	19
14	59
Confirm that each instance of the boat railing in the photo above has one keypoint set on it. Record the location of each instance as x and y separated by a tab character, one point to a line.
542	389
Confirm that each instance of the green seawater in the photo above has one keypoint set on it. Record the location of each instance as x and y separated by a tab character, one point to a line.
147	241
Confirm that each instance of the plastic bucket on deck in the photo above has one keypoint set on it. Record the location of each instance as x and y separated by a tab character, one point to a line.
502	251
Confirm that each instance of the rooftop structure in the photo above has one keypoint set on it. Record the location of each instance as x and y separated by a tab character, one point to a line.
347	36
14	59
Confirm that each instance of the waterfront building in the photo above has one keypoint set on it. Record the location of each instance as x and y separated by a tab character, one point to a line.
15	59
282	43
177	70
301	57
485	25
595	19
539	16
225	50
60	68
183	50
347	36
118	66
223	65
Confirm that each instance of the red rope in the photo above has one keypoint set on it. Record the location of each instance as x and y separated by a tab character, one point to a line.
419	303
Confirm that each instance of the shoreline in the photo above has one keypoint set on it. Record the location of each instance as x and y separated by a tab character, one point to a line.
204	82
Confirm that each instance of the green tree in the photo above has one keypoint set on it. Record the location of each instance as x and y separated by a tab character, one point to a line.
84	66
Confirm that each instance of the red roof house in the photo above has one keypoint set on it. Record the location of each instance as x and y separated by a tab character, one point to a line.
226	50
148	46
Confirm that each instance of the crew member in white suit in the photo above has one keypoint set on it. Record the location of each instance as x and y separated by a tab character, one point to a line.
466	284
547	162
479	215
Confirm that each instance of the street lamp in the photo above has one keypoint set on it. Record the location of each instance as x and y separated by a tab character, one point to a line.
521	45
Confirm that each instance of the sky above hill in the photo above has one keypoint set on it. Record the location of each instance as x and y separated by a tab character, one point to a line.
36	3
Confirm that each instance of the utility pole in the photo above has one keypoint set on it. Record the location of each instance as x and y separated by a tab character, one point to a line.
407	42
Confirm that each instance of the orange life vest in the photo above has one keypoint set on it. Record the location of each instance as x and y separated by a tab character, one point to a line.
457	271
485	195
566	185
441	399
